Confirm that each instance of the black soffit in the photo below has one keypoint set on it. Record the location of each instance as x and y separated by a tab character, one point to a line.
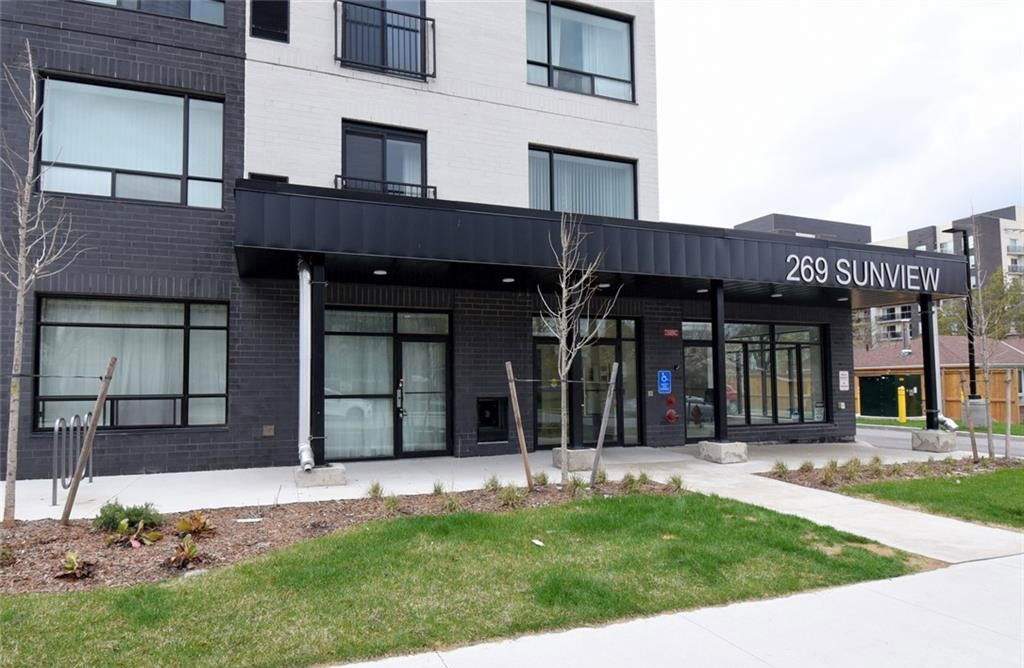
438	242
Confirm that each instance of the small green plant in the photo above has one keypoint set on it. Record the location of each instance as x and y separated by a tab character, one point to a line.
875	467
924	468
451	503
540	479
375	491
832	465
438	488
7	557
780	468
74	567
896	469
948	465
807	466
630	484
492	484
828	476
578	486
112	512
675	483
643	479
134	536
511	496
186	552
195	523
852	468
391	506
602	477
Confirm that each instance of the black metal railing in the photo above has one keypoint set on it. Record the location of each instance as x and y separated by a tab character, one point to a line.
385	187
384	40
893	317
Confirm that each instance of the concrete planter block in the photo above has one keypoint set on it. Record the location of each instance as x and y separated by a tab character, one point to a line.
321	476
579	460
730	452
927	440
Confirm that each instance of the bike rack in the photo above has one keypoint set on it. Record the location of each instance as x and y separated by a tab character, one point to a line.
67	448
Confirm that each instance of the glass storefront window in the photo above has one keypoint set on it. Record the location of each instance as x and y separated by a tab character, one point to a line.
365	322
759	382
735	384
422	323
813	392
696	331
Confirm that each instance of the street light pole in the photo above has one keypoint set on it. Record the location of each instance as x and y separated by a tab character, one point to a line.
972	368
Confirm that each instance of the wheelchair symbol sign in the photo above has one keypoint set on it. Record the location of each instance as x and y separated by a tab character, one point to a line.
664	382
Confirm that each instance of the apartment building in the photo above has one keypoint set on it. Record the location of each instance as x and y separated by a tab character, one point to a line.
319	230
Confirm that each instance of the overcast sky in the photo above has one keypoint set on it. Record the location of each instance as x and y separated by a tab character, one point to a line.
894	115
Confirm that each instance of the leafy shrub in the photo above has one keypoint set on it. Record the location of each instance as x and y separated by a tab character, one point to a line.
391	505
630	484
451	503
675	483
74	567
643	479
375	491
112	512
602	476
134	536
438	488
540	479
780	468
186	552
511	496
195	523
492	484
807	466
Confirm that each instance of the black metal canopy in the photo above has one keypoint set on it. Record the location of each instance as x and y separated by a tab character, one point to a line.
439	242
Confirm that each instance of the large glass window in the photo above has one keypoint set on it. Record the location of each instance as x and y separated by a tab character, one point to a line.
115	142
773	373
384	160
205	11
269	19
171	368
579	51
581	184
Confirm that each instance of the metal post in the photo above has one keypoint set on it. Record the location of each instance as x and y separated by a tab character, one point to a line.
930	364
716	293
318	285
972	368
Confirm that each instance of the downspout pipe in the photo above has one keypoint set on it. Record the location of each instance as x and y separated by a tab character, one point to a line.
306	461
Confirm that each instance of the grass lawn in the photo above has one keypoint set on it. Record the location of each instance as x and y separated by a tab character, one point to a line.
420	582
986	497
998	428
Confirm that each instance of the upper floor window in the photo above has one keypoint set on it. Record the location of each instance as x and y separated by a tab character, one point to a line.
582	184
579	51
115	142
206	11
383	159
389	36
268	19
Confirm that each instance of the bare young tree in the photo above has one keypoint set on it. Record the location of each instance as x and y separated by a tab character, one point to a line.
564	313
39	241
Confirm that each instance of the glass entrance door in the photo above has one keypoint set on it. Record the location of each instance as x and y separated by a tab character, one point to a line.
423	396
597	371
698	382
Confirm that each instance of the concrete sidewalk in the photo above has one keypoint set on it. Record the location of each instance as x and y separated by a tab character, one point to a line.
964	615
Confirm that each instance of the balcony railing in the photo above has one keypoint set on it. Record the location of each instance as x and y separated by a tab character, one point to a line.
385	187
1016	268
1015	248
384	40
893	317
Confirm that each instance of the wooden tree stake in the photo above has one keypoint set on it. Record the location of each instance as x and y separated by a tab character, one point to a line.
90	434
604	423
514	398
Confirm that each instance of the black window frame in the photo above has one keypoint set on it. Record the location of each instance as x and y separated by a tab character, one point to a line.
384	133
98	3
595	11
110	406
272	34
426	31
552	151
184	177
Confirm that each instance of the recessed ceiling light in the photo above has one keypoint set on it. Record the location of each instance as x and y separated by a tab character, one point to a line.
508	279
604	286
843	299
380	272
776	295
701	291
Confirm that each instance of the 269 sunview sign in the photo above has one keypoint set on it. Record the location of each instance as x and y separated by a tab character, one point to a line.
818	270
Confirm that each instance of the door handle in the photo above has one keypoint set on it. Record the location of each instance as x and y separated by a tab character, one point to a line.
400	397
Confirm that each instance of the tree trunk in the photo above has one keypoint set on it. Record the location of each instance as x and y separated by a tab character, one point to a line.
14	405
565	430
1008	413
988	412
970	421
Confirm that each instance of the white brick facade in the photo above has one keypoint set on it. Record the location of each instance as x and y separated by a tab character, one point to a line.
479	113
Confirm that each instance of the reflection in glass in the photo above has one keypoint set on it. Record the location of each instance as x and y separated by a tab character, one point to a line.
698	380
358	427
597	369
424	371
735	384
786	383
548	396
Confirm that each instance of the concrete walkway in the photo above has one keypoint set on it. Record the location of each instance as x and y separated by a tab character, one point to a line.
964	615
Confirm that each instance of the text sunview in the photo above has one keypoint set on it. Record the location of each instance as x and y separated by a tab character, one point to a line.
862	273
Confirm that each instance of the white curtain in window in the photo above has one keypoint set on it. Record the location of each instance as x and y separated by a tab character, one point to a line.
358	427
205	138
358	365
592	186
404	161
536	31
112	127
540	180
589	43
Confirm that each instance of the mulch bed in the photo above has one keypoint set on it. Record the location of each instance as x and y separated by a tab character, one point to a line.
842	474
38	547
